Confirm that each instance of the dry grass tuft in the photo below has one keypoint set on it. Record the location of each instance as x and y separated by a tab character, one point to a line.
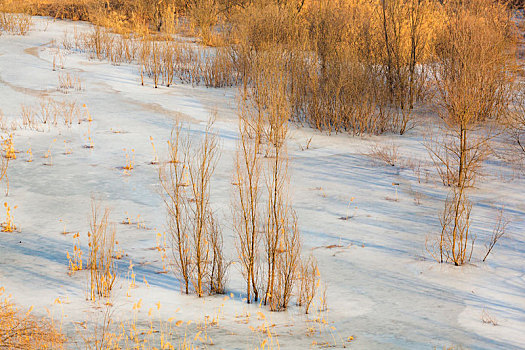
387	153
8	225
21	330
15	23
101	250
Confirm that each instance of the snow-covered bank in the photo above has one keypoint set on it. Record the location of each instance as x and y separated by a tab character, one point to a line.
383	287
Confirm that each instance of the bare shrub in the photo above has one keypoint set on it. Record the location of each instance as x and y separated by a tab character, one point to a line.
287	261
204	15
219	263
404	43
387	153
168	58
48	111
68	82
188	64
354	66
28	117
309	282
456	242
151	59
99	41
339	87
67	109
15	23
218	69
500	229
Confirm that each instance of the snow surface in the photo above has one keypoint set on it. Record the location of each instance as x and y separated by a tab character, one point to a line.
383	287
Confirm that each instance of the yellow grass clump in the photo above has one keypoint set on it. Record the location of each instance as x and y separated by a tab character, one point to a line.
9	147
8	225
101	251
21	330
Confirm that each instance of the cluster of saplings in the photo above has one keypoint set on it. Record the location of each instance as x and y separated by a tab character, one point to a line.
267	235
364	67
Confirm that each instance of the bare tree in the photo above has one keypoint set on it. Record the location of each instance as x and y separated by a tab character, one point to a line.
196	237
265	111
282	241
174	181
200	169
276	222
473	75
246	206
